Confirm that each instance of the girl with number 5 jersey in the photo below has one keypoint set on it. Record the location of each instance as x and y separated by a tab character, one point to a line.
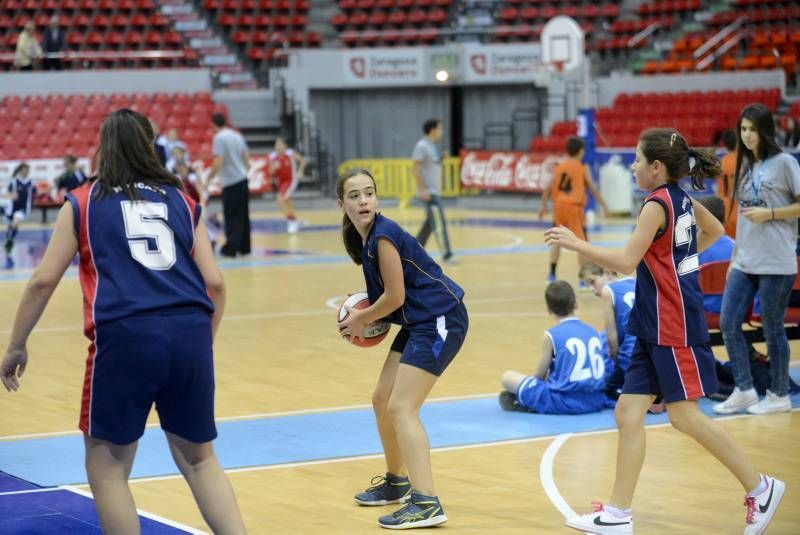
153	299
671	358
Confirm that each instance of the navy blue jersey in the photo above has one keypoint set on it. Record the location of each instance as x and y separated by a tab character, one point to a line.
579	363
136	256
623	295
23	187
429	292
669	304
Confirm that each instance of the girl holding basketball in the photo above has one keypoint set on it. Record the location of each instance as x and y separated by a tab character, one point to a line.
408	288
671	358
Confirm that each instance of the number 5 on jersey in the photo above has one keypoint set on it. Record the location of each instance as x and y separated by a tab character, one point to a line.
145	220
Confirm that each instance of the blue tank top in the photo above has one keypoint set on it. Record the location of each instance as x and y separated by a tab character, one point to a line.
623	295
429	292
668	310
24	190
136	256
579	363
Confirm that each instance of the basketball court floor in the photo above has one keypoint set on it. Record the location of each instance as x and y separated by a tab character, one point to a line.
296	431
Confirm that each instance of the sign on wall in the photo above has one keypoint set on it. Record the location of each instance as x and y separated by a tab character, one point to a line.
487	63
383	67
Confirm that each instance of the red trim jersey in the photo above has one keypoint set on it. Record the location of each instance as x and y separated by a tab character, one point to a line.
668	310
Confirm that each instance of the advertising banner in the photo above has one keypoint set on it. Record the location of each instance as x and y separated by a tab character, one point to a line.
507	63
384	67
507	171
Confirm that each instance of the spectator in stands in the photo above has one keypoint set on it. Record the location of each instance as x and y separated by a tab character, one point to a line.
790	134
28	48
427	171
725	182
72	177
160	144
767	187
231	163
561	385
53	43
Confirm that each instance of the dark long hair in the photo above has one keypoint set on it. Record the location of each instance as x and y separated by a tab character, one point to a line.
18	169
761	117
669	147
126	155
352	239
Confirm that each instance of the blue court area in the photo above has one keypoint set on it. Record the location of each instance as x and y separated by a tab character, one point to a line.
310	437
31	510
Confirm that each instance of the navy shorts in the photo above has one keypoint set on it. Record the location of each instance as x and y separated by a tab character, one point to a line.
432	345
163	358
673	373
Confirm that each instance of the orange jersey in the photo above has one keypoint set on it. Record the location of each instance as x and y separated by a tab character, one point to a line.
569	183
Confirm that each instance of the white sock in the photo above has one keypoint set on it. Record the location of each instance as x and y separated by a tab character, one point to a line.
762	486
616	511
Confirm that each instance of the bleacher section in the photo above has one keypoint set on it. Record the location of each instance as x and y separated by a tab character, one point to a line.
698	116
36	127
522	20
390	22
118	27
262	28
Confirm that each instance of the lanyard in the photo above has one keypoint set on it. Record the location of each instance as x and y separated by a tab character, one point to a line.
756	184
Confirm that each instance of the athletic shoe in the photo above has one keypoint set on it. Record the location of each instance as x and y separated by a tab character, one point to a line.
737	401
761	508
509	402
771	403
450	259
551	278
385	490
601	521
420	512
292	226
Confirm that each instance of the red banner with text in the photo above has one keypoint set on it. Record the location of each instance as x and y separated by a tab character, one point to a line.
507	171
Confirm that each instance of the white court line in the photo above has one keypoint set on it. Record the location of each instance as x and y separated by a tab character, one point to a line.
29	491
546	476
145	514
433	450
259	415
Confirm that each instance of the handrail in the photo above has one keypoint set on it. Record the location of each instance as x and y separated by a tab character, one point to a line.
644	34
706	61
107	54
719	36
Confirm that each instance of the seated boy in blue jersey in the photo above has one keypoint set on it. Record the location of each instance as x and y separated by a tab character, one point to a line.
572	374
617	296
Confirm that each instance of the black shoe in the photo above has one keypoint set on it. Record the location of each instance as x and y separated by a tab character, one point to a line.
509	402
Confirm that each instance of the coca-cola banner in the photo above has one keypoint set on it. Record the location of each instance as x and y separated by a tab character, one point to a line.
507	171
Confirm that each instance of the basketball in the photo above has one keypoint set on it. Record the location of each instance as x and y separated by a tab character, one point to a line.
375	331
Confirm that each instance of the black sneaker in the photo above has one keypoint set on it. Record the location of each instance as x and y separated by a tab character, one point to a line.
385	490
509	402
420	512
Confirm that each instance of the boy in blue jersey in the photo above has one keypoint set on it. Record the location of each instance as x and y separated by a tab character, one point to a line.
405	287
617	296
153	299
571	376
20	195
719	251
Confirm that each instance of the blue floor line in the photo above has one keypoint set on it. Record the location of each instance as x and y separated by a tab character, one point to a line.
309	437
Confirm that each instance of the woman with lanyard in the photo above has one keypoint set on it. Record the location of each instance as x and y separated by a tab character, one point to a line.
767	187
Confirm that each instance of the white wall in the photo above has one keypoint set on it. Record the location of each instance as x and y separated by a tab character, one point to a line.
106	81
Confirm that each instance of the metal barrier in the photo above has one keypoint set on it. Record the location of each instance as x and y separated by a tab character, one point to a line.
394	177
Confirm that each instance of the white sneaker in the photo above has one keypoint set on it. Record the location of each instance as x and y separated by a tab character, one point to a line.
761	508
737	401
292	226
601	521
771	403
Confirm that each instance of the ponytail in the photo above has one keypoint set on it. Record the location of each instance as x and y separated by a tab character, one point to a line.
703	163
668	146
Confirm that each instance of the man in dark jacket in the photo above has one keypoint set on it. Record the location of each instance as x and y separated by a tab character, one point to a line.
53	42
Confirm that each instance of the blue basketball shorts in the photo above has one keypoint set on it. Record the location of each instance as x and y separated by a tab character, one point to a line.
536	395
673	373
163	358
431	345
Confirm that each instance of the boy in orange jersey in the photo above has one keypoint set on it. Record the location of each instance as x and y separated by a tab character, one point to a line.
568	189
726	180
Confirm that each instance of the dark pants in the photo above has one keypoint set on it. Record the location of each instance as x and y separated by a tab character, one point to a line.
236	210
434	222
52	64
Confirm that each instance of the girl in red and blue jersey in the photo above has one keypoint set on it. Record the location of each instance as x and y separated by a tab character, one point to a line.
407	288
671	358
153	299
